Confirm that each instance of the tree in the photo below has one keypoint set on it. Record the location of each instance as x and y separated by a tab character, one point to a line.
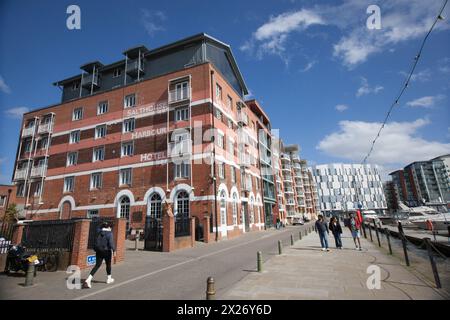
11	214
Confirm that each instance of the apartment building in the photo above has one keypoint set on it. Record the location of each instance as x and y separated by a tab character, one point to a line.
424	182
343	187
296	190
161	125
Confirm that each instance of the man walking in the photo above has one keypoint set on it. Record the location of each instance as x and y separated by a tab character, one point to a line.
355	227
321	227
104	249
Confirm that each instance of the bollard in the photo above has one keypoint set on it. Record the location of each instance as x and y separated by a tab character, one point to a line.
259	261
299	235
405	250
280	248
376	231
292	240
388	239
370	232
210	291
30	275
136	243
433	263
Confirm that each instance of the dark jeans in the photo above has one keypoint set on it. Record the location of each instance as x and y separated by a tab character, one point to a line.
99	257
337	239
323	240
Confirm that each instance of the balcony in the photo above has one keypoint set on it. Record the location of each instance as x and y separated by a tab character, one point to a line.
244	161
89	80
178	95
38	171
285	167
247	187
26	132
242	118
180	148
21	174
134	67
288	191
45	127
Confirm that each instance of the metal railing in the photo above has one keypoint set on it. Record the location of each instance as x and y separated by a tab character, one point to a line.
135	65
26	132
38	171
46	127
21	174
49	235
89	79
182	226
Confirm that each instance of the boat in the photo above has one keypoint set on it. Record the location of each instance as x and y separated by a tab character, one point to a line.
420	215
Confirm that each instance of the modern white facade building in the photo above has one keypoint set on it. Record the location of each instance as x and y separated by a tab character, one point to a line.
343	187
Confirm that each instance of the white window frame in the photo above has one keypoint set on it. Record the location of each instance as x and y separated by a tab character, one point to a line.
47	139
221	167
218	92
128	125
233	174
69	187
220	140
96	181
129	101
75	86
124	148
100	131
129	174
2	201
77	114
71	136
117	72
38	189
182	114
98	154
182	170
181	90
70	163
102	107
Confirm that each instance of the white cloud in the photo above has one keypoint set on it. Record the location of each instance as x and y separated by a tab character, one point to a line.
152	21
270	38
366	89
3	86
422	76
16	113
308	66
399	142
425	102
341	107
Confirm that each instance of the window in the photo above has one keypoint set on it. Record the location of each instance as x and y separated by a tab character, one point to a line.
38	189
72	159
127	149
96	180
155	206
20	190
181	91
77	114
125	208
129	101
100	131
235	209
117	72
181	114
218	92
229	102
231	147
75	86
102	107
93	213
221	167
44	142
74	136
98	154
220	139
2	201
230	124
182	209
128	125
125	177
233	174
68	184
218	114
182	170
27	146
223	208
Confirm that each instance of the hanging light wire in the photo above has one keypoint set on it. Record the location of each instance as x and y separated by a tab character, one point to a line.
406	84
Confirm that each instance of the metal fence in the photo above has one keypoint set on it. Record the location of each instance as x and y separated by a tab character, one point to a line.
153	234
6	234
49	235
182	226
96	224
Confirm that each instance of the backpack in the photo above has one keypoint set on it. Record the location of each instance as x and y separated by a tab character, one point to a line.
101	243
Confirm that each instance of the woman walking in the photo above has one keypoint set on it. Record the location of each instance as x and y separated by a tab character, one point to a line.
336	229
104	249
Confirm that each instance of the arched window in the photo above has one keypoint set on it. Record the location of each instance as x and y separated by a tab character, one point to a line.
252	210
259	214
235	209
182	209
155	206
124	207
223	208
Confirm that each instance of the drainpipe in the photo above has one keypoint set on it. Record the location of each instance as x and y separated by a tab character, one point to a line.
214	157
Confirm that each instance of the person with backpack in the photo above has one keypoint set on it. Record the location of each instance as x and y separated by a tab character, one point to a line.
104	250
336	229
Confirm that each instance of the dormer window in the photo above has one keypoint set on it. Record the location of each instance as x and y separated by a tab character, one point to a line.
75	86
117	73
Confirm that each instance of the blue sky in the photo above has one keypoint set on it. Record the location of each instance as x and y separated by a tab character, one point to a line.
325	80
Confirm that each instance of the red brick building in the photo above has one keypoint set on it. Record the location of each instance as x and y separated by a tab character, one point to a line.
7	197
167	124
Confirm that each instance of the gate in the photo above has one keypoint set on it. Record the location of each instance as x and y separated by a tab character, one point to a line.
153	234
6	234
49	235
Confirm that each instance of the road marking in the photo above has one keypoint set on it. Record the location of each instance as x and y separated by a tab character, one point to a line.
171	267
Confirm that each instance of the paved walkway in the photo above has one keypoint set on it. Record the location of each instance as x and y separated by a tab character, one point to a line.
304	271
